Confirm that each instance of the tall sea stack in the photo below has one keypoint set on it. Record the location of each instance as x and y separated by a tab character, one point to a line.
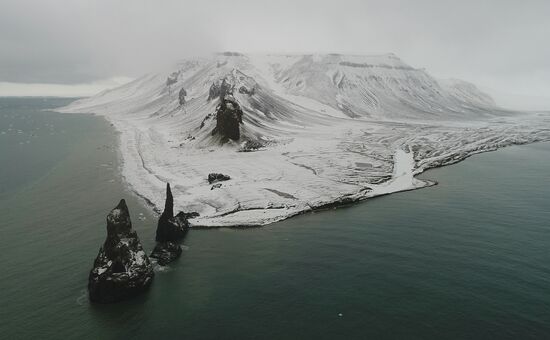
170	231
122	269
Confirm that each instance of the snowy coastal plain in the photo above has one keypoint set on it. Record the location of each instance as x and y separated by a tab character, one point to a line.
316	131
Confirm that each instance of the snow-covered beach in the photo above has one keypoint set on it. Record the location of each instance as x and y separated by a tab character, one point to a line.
324	130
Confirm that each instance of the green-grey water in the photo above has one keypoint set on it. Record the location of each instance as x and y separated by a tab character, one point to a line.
466	259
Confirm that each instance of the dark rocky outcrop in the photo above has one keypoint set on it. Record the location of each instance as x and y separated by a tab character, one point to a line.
231	54
181	96
245	90
121	269
170	227
170	231
166	252
215	177
189	215
229	116
172	78
250	146
220	90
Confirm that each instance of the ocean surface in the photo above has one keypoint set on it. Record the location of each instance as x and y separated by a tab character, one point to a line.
466	259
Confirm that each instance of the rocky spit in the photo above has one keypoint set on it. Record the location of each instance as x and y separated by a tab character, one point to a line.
122	269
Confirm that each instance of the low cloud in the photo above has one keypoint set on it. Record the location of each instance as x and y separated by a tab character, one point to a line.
8	89
500	44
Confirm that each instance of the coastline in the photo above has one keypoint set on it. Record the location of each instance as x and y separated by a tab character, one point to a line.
341	201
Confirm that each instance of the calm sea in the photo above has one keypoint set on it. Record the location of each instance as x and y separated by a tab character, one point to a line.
467	259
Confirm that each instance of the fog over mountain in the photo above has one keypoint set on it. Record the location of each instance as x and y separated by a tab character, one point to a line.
494	44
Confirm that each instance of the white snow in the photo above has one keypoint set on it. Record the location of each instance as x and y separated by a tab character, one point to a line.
402	177
335	128
139	258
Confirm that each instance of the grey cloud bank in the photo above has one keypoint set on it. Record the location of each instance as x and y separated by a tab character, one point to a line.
499	45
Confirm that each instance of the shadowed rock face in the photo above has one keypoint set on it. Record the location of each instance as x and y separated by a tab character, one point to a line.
181	96
245	90
170	231
170	227
172	78
220	90
121	269
166	252
228	118
215	177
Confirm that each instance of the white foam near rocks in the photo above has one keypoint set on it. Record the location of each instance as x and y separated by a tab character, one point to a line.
335	129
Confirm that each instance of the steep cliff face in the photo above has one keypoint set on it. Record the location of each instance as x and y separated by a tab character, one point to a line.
122	268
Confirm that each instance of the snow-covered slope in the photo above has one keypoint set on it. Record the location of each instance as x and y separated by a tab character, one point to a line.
317	130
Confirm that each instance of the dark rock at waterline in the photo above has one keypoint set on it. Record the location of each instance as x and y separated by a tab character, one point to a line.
170	231
229	116
170	227
166	252
215	177
122	269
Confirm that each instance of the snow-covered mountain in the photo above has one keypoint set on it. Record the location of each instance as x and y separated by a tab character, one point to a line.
278	91
323	129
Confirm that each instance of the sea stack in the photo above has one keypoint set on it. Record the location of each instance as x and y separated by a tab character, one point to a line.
122	269
170	231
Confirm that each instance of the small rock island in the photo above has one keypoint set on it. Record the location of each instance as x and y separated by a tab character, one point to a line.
122	269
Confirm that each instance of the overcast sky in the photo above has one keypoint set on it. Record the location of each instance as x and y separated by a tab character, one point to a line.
498	44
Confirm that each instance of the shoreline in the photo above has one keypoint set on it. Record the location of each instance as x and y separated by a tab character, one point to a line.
341	202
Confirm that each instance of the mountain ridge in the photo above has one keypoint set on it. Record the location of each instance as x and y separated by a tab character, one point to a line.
297	90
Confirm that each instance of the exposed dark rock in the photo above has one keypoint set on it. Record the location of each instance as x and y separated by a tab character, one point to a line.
121	269
189	215
216	186
220	90
228	118
215	177
250	146
214	91
170	227
166	252
245	90
208	116
170	231
231	54
172	78
182	95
